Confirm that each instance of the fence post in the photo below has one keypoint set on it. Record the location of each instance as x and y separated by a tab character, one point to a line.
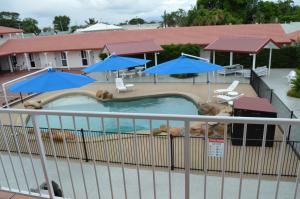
84	145
271	96
41	149
290	126
172	151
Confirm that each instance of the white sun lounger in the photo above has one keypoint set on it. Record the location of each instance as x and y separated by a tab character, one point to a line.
120	86
227	99
230	88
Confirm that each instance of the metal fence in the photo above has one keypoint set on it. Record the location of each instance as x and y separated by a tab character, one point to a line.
93	141
264	91
186	152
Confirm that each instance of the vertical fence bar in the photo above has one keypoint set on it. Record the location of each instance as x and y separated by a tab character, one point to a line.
107	158
169	158
18	150
280	161
94	160
172	151
136	158
121	152
67	154
84	144
187	160
54	151
152	159
261	158
224	160
9	155
30	154
290	127
297	182
242	160
80	156
205	160
39	140
271	95
4	171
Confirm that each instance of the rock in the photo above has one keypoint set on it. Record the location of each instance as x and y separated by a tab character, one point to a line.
105	95
109	96
33	104
163	128
200	128
209	109
156	131
176	131
219	129
99	94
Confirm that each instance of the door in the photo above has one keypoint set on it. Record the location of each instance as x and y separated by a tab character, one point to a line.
31	59
84	58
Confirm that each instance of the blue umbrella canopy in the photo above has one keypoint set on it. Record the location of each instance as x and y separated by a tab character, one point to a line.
183	65
115	62
51	80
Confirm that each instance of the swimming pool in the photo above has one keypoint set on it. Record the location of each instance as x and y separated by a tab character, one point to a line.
160	105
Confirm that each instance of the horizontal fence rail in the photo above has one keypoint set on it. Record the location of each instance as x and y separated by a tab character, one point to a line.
44	151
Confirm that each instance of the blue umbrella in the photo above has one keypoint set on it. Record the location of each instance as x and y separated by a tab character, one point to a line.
183	65
51	80
115	62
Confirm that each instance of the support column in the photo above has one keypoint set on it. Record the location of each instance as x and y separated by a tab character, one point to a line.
254	62
67	58
27	61
214	57
46	58
270	61
231	59
145	57
89	57
10	64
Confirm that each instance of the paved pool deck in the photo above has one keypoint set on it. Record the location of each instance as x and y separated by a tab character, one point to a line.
279	83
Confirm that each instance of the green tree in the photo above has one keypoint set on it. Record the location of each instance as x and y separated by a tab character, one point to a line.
90	21
10	19
30	25
136	21
176	18
47	29
61	23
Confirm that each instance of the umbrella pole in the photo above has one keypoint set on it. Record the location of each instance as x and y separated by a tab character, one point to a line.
21	98
193	80
154	78
207	79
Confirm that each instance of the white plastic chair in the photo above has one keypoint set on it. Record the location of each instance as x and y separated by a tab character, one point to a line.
227	99
230	88
291	76
120	86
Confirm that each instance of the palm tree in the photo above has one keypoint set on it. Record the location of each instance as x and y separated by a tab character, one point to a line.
90	21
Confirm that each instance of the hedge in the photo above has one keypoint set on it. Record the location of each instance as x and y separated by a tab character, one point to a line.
285	57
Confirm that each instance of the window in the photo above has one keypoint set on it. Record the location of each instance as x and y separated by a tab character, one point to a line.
64	61
1	36
84	58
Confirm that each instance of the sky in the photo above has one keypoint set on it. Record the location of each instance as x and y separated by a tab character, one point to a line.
111	11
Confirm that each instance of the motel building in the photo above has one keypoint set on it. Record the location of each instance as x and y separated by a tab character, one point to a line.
83	49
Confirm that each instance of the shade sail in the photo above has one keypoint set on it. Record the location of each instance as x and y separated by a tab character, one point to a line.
51	80
115	62
183	65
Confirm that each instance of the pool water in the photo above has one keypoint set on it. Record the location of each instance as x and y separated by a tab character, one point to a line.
159	105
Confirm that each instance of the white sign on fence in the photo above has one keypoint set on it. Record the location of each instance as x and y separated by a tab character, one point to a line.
215	147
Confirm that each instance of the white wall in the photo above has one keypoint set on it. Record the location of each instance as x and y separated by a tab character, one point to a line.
5	37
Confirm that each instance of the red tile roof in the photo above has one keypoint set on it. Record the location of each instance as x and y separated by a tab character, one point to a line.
135	47
202	35
239	44
294	35
6	30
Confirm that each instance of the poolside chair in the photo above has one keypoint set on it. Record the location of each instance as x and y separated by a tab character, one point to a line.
227	99
120	86
291	76
230	88
260	71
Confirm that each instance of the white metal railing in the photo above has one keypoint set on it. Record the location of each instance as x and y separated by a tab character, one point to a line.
26	163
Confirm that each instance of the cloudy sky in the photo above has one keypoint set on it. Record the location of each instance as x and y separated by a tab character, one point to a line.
112	11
